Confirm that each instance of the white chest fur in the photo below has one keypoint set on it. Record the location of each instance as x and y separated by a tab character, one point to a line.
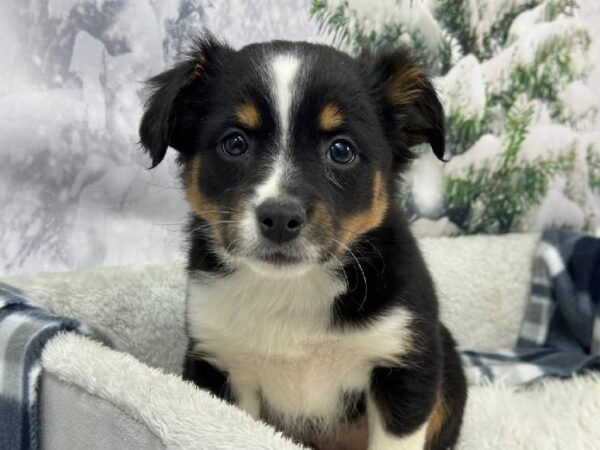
272	336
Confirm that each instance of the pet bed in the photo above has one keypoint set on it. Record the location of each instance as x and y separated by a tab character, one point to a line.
131	396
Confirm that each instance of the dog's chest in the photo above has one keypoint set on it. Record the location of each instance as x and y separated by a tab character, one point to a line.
273	337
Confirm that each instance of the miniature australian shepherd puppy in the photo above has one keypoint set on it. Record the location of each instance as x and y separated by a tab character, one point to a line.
309	304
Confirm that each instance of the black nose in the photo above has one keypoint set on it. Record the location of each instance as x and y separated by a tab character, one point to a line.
280	220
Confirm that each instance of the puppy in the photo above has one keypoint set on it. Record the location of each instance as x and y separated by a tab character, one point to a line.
308	303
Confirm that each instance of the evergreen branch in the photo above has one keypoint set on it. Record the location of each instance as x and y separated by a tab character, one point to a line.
455	17
336	20
551	70
554	8
518	121
463	132
498	34
358	35
496	195
494	199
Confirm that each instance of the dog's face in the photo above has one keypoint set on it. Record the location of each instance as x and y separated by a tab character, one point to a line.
290	150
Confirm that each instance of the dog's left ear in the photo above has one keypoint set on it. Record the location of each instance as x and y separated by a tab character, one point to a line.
407	100
161	126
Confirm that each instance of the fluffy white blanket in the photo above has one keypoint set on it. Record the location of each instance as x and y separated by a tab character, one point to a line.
483	284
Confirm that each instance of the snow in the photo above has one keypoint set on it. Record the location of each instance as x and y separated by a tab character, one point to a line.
486	13
426	181
48	110
462	89
261	20
427	228
589	14
591	142
497	70
580	104
524	22
88	63
60	9
548	142
74	188
415	14
484	153
15	66
556	210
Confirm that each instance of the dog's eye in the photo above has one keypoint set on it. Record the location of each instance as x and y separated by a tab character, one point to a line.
235	144
341	152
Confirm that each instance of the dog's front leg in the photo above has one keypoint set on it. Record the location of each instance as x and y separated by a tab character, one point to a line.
381	437
399	405
246	394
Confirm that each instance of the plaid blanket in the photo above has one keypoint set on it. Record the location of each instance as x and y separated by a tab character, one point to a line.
24	330
560	332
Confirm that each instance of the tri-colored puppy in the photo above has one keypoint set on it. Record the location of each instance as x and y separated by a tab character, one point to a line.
309	304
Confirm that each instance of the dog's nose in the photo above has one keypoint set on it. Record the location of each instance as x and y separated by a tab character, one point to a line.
280	220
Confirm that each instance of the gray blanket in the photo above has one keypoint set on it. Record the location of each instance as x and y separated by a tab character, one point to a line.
560	333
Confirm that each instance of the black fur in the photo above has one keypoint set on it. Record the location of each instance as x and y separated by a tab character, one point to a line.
205	375
191	110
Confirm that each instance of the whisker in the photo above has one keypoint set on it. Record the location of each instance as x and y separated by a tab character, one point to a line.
361	270
231	244
160	186
341	265
209	225
222	211
368	259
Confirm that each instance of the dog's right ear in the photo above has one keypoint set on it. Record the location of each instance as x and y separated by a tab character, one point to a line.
411	109
162	110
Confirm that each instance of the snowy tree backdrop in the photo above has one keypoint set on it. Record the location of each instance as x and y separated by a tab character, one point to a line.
513	75
74	189
517	78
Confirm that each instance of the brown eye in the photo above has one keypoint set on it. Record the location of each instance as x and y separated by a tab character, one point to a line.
234	144
341	152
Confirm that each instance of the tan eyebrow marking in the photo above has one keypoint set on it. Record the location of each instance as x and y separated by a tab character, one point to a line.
330	117
248	115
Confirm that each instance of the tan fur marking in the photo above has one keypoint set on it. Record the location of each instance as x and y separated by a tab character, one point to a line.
321	217
363	222
199	67
405	85
436	420
197	71
330	117
319	228
199	203
248	115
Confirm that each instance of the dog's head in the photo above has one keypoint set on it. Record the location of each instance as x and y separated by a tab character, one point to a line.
290	151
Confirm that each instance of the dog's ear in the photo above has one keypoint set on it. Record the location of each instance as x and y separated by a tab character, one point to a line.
162	110
408	103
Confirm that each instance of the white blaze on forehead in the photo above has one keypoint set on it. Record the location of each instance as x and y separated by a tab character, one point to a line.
284	69
271	187
283	79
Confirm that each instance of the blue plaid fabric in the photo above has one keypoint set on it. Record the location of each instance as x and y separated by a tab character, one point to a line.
560	333
24	330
